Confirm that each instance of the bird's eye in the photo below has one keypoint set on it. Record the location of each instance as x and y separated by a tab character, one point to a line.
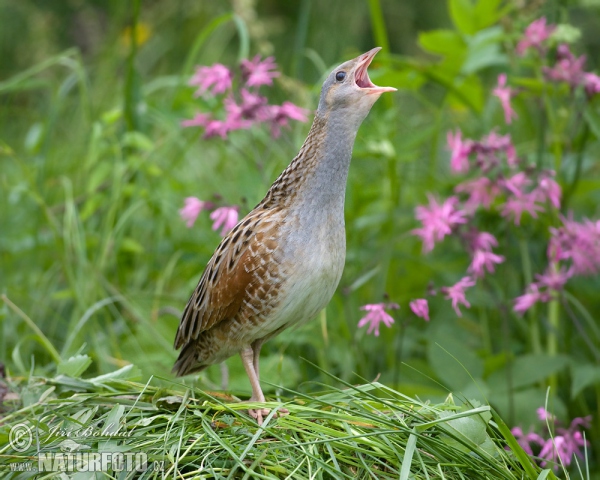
339	76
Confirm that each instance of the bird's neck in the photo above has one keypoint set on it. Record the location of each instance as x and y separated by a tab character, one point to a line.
316	177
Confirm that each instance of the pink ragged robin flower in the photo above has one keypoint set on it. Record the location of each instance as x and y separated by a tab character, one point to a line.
535	35
544	415
259	72
438	220
480	245
561	445
515	206
456	293
482	261
192	208
216	79
199	120
548	190
568	68
529	299
420	308
225	218
482	191
579	243
376	315
504	93
488	148
516	184
565	443
591	83
459	159
281	114
525	440
554	278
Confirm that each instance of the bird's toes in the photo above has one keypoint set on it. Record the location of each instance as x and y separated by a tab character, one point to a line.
258	414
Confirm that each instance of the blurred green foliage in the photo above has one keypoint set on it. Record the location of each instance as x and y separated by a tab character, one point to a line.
94	257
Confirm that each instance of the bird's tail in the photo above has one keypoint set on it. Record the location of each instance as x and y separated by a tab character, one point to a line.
187	362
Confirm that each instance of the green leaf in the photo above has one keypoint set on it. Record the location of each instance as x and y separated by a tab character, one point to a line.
468	429
128	372
469	92
583	376
454	365
544	474
462	13
445	42
74	366
138	141
471	17
487	12
484	50
527	370
130	245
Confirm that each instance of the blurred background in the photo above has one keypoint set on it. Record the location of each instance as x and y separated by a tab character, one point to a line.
95	165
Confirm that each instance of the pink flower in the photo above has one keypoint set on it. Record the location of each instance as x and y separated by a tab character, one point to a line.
515	206
254	106
591	83
281	114
456	293
192	208
516	184
437	220
553	279
218	77
481	241
535	35
199	120
420	308
560	448
482	191
488	148
480	244
215	128
377	315
504	93
227	217
548	191
459	160
482	261
544	414
579	243
257	72
567	69
529	299
526	440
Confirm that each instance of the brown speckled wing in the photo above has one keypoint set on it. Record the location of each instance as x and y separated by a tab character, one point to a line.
240	278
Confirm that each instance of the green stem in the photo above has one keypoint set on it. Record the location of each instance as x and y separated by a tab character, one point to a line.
552	340
378	25
43	339
534	327
579	160
132	91
381	36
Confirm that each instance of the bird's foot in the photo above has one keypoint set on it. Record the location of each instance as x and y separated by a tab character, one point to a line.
260	413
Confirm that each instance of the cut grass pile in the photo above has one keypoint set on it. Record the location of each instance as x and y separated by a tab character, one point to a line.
364	431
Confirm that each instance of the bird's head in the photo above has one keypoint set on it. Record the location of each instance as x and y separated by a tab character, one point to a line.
348	87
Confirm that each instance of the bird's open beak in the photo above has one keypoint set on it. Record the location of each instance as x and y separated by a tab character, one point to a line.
361	77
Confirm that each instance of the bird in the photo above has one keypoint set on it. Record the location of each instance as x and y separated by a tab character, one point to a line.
281	264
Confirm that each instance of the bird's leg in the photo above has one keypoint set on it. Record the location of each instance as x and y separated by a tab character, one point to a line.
256	346
247	354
